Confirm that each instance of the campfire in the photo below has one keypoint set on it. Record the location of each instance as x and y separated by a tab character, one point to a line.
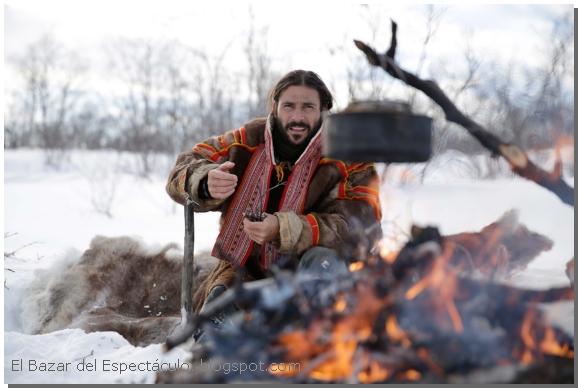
426	322
417	315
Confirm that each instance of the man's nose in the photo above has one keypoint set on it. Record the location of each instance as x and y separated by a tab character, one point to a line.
298	115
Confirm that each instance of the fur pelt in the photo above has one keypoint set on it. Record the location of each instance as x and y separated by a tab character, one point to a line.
117	284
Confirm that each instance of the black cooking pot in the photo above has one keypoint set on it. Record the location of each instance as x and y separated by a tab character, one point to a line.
378	131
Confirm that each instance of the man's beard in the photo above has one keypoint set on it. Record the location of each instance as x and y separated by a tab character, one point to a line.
304	139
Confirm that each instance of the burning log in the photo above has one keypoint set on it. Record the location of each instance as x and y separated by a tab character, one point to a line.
499	249
369	326
519	161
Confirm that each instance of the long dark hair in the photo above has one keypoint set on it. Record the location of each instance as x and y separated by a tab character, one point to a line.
301	78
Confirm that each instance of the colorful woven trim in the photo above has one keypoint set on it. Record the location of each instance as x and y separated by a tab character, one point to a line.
236	138
314	229
347	192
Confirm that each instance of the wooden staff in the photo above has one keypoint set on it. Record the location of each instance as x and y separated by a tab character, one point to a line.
187	280
187	327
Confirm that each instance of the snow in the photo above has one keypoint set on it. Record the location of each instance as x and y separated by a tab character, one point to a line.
51	216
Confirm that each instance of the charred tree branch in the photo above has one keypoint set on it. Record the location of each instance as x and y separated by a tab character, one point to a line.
518	160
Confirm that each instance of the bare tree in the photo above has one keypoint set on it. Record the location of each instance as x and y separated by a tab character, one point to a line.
433	17
552	108
51	91
181	109
174	96
364	82
214	89
260	76
530	106
144	108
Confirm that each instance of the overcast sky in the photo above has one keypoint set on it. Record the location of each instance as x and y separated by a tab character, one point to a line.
300	34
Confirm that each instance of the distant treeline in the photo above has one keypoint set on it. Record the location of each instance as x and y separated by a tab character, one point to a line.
162	96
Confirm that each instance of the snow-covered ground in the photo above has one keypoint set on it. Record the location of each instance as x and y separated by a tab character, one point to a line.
52	215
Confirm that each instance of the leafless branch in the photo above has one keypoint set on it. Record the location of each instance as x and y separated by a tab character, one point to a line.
516	157
13	253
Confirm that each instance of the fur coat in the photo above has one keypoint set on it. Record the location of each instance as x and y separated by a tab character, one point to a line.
341	209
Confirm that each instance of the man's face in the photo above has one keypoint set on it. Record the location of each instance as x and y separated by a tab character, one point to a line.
299	112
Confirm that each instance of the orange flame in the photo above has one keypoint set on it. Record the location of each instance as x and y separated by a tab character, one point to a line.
564	142
443	281
411	375
527	337
356	266
375	373
388	250
331	358
340	304
437	275
417	288
455	317
549	345
395	333
339	366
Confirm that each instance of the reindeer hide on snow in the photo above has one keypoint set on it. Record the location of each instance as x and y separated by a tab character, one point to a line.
117	284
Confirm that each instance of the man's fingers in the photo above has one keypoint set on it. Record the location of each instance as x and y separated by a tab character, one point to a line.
258	239
251	227
222	195
221	192
223	184
220	183
226	166
226	192
222	175
255	237
254	231
247	225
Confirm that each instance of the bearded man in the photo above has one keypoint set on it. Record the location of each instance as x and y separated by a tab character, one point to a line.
282	202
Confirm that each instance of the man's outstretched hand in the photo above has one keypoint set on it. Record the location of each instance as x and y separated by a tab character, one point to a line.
221	183
263	231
